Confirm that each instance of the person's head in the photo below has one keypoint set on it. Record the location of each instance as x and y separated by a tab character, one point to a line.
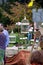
1	25
1	29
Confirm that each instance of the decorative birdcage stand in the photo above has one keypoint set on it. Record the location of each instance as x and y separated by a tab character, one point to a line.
24	25
24	30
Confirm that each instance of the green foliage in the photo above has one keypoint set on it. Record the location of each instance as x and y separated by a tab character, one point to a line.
7	8
15	12
11	45
0	15
5	20
40	2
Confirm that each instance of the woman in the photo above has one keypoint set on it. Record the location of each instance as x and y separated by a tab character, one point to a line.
2	46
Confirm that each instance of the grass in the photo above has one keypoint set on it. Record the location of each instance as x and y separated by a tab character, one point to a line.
11	44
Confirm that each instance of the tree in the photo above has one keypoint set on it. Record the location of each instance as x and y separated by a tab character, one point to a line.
40	2
5	20
14	12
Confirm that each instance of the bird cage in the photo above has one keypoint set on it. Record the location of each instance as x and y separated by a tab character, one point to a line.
24	25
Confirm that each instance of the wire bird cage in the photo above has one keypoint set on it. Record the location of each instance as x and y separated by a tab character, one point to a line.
24	25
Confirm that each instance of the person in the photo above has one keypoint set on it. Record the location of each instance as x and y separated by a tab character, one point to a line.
30	32
6	33
2	46
37	35
37	56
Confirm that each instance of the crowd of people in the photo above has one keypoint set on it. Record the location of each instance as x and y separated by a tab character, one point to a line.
24	58
36	56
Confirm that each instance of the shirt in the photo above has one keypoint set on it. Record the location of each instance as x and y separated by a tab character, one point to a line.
7	36
2	41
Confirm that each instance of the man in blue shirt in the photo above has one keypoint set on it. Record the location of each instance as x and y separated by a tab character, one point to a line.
6	34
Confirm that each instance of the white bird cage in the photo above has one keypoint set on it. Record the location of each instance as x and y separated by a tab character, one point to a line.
24	25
